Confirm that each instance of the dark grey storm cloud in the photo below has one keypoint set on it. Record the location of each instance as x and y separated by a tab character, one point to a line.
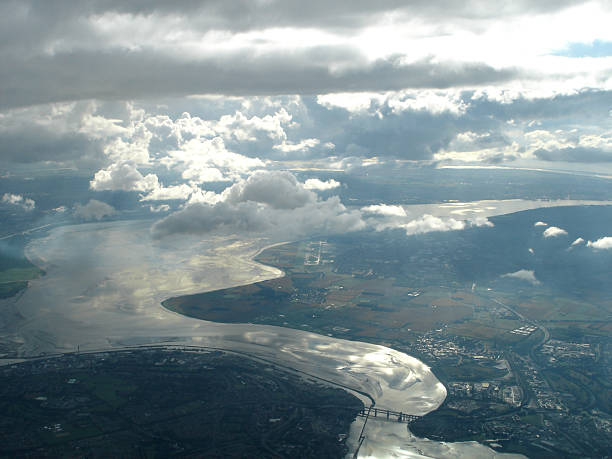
240	15
121	74
66	50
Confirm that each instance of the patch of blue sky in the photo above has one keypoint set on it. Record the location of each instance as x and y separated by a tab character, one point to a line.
596	48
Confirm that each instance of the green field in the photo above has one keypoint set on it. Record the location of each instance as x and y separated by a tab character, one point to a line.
15	269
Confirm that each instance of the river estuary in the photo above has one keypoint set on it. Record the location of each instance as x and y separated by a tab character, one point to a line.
103	289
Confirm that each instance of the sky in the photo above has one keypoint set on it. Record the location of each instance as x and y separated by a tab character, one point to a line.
162	100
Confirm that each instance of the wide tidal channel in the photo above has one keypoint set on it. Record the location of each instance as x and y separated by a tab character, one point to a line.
103	287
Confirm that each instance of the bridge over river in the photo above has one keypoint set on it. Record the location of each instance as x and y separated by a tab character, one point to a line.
387	415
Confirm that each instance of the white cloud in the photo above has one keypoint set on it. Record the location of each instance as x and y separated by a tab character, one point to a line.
604	243
540	224
123	176
202	174
386	210
66	133
274	203
93	210
480	221
316	184
523	274
320	217
203	160
241	128
160	208
428	223
435	102
554	231
177	192
384	216
304	145
279	190
578	241
134	149
26	204
204	196
353	102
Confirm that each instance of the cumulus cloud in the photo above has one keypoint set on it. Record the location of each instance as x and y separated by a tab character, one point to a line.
124	177
304	145
604	243
384	217
523	274
64	133
279	190
578	241
480	221
93	210
320	185
540	224
200	218
320	217
295	85
198	173
160	208
268	202
386	210
26	204
428	223
175	192
242	128
204	159
554	231
210	145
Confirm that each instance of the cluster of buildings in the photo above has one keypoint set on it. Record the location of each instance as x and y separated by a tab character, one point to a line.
558	351
544	396
435	345
491	391
525	330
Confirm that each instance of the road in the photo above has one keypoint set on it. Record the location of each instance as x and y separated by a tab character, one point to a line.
544	330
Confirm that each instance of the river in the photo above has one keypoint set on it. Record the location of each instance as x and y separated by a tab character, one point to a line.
103	289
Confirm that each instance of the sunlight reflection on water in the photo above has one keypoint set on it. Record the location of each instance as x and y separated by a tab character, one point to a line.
103	289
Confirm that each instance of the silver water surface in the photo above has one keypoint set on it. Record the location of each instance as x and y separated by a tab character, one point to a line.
103	289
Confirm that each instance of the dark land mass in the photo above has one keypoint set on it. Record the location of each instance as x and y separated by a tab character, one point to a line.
527	365
168	402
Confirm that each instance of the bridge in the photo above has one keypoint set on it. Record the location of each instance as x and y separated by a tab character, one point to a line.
383	414
387	415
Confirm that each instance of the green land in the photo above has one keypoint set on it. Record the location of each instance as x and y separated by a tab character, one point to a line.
510	352
169	402
15	269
